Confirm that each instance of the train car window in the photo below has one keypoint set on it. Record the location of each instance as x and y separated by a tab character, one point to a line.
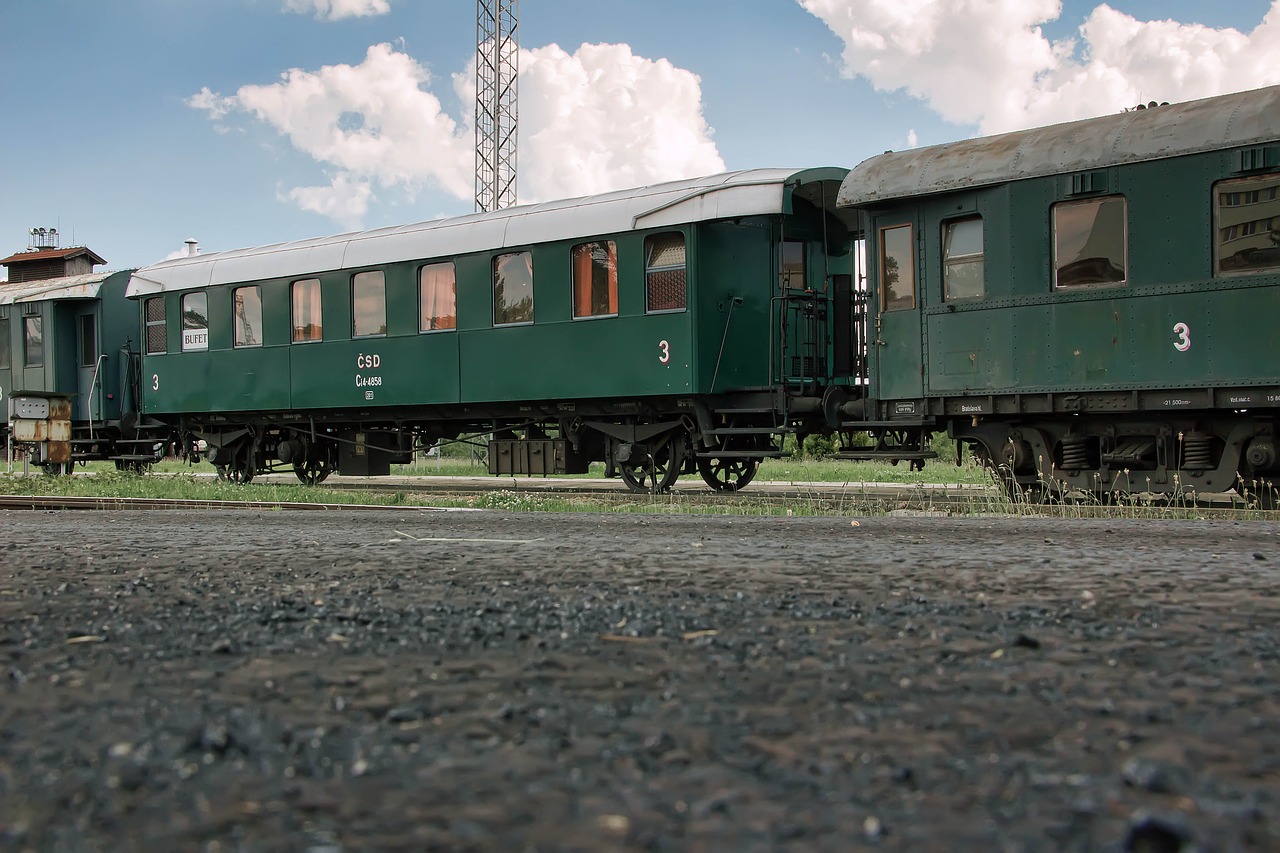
195	322
897	268
4	344
88	341
664	272
1090	242
33	342
962	266
595	279
247	302
513	289
157	333
305	298
1247	225
437	298
791	265
368	304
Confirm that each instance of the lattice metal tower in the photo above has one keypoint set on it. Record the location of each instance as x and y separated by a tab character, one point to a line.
497	52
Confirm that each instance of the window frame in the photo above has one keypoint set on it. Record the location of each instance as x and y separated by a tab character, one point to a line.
372	281
35	321
1056	285
1270	225
650	270
495	264
611	279
950	261
195	345
294	337
422	302
160	322
6	343
88	342
784	278
881	255
240	320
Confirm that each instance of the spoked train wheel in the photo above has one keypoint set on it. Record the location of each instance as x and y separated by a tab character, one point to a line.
240	471
657	474
312	472
728	475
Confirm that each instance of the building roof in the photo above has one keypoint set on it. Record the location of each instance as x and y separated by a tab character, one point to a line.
50	255
68	287
1170	130
746	193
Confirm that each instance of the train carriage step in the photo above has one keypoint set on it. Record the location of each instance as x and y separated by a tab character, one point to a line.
750	430
135	457
743	454
882	455
871	426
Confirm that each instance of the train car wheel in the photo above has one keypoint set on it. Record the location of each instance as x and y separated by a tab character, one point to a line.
728	475
237	472
312	472
58	469
655	475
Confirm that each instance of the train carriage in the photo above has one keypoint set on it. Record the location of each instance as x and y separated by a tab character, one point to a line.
686	326
1091	305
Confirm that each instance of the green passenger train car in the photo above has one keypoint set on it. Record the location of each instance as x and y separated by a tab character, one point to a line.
1090	305
680	327
73	337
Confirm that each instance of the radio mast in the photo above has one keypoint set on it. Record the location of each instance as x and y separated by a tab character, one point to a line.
497	54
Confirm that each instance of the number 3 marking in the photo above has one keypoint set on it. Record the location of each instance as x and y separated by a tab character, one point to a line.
155	382
1183	343
665	349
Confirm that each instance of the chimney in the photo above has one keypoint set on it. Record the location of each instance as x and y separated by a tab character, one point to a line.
193	247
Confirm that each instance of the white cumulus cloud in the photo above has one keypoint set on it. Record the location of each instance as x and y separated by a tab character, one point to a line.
336	10
987	62
595	120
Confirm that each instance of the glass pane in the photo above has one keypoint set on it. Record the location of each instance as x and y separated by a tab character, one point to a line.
368	304
595	279
248	316
195	321
306	311
157	334
963	237
513	289
33	342
664	250
791	264
88	341
1089	242
962	259
4	344
437	298
664	272
897	268
1248	224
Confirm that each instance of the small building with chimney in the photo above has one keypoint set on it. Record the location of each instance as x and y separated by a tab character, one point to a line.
45	259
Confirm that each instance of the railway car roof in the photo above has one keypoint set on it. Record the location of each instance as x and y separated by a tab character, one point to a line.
744	193
84	286
1170	130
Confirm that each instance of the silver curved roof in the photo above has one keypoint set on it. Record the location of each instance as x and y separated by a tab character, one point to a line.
1243	118
745	193
84	286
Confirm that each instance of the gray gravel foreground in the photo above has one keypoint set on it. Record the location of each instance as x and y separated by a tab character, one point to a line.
261	681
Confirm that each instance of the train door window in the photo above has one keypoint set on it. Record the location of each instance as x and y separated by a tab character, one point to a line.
962	267
513	289
33	342
157	333
368	304
437	298
1247	225
195	322
88	341
897	268
247	302
1090	242
791	264
664	272
595	279
4	343
305	298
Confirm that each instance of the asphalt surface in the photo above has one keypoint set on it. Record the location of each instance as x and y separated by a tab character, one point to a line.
260	680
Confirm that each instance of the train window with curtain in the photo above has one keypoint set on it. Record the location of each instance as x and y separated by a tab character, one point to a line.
4	343
897	268
437	298
247	305
962	265
195	321
595	279
791	265
664	272
33	341
368	304
1090	242
157	333
304	296
513	289
1246	220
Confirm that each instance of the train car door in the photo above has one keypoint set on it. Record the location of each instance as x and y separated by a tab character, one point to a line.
897	340
88	400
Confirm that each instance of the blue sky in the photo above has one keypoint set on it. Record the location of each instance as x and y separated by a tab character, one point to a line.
135	124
